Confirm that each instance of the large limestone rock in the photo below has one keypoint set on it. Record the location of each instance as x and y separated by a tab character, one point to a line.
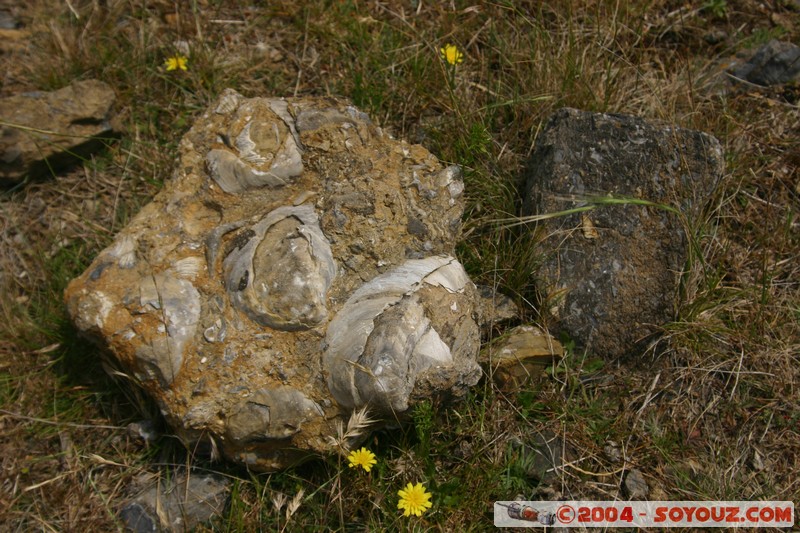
612	273
297	267
44	131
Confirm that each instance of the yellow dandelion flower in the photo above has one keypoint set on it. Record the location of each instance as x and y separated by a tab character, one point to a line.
176	62
452	54
414	500
363	458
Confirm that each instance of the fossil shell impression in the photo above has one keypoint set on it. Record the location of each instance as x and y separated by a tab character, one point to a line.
175	304
281	275
382	338
275	413
262	151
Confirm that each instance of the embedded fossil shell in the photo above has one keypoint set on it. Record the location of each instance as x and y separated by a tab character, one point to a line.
188	267
267	149
281	275
124	251
450	177
228	102
176	305
382	338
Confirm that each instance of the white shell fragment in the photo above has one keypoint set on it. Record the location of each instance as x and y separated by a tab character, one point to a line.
381	339
175	304
298	265
124	250
228	102
189	267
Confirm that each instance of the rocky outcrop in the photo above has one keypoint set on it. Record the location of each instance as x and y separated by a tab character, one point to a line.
44	131
298	266
612	272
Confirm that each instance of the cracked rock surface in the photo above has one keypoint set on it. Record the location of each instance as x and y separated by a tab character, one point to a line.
299	265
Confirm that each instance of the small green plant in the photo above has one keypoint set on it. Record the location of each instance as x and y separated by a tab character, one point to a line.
516	475
531	407
717	8
423	417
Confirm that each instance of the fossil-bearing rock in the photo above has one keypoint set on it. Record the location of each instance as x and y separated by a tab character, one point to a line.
298	266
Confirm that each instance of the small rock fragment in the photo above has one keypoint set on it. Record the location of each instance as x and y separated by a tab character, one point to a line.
176	503
143	431
757	461
520	356
612	451
635	486
138	519
775	63
495	307
47	130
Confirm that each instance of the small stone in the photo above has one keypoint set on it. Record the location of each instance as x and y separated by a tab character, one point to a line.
635	486
775	63
138	519
143	431
48	130
269	52
176	503
495	307
612	451
8	21
785	21
715	36
758	461
520	357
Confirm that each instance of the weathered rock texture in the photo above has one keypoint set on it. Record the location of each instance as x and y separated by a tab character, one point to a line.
298	266
613	272
44	131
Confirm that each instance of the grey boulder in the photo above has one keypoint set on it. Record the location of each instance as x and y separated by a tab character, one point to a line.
775	63
612	273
